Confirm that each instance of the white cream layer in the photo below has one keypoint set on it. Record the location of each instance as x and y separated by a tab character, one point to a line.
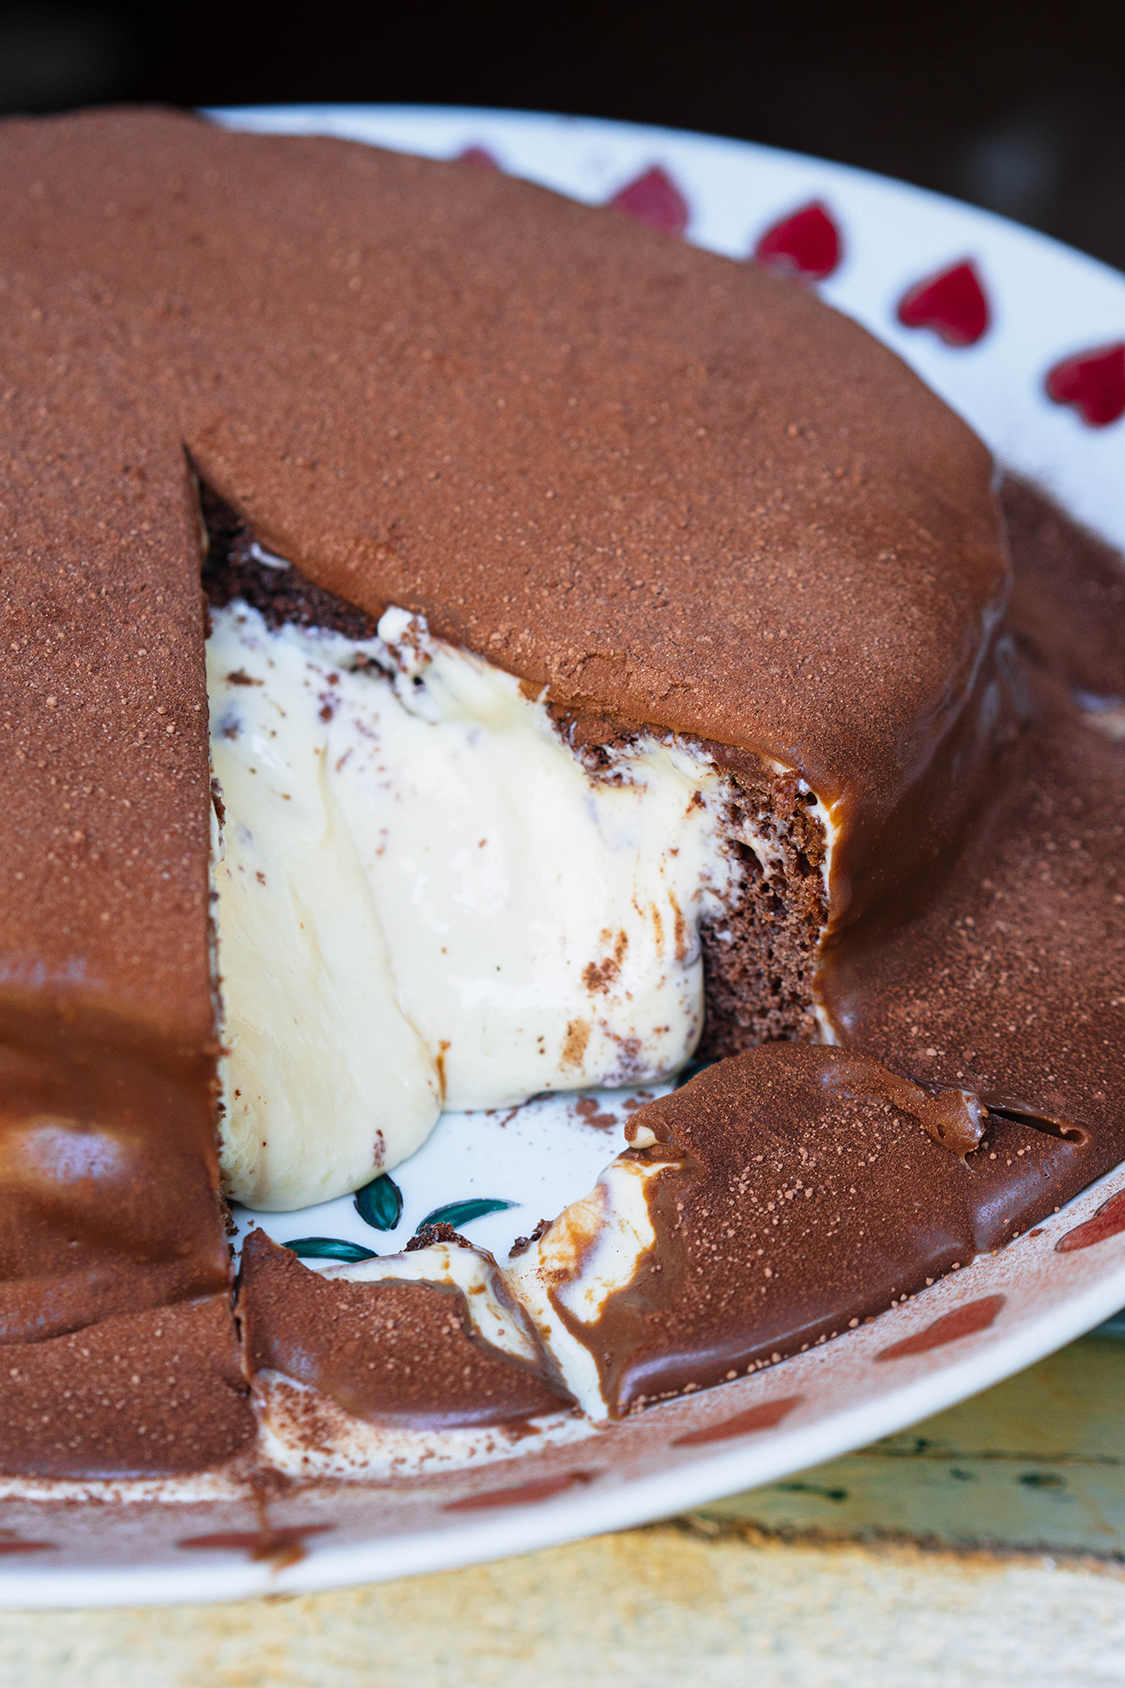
593	1249
425	899
343	1446
326	1081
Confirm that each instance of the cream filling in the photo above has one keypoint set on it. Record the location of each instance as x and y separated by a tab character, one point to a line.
592	1250
325	1081
425	899
342	1446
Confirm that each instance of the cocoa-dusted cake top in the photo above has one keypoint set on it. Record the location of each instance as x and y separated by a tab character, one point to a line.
105	765
155	1393
669	486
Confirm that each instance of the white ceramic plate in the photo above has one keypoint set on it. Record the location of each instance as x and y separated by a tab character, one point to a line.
100	1545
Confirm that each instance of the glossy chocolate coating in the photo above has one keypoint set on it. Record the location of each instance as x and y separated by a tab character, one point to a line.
397	1353
1009	980
108	1179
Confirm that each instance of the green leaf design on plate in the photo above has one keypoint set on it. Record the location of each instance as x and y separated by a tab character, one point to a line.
329	1248
460	1213
379	1204
690	1071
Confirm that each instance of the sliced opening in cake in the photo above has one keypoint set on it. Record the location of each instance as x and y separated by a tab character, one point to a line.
435	890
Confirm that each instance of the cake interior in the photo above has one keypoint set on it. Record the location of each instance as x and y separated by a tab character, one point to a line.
434	890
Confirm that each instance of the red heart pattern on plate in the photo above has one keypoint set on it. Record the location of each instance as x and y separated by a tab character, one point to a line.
480	156
654	199
806	244
953	303
1093	382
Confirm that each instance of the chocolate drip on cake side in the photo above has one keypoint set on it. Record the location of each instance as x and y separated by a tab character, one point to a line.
1010	981
801	1192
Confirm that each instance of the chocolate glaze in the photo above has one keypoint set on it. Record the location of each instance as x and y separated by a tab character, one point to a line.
1068	600
397	1353
792	1207
108	1179
953	1118
141	1394
109	1212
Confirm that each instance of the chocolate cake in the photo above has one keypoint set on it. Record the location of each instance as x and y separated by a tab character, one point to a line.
447	449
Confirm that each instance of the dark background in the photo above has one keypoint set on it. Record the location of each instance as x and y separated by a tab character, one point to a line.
1018	107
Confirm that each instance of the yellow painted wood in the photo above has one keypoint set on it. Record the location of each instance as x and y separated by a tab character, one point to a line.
656	1608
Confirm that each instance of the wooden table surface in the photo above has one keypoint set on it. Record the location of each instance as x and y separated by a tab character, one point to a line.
984	1547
